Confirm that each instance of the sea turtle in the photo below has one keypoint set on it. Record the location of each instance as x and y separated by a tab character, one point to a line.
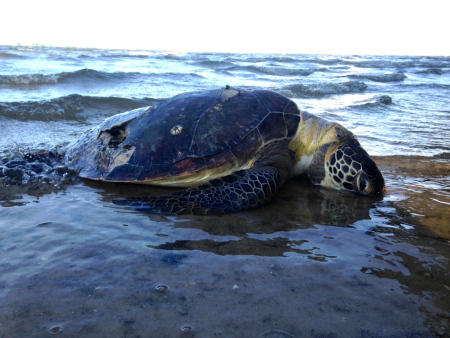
233	149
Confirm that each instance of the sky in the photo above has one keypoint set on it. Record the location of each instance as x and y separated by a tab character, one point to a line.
395	27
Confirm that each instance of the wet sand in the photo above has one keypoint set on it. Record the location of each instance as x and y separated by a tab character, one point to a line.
424	185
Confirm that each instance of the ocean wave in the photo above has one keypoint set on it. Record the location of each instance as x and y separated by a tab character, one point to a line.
55	109
129	55
376	101
29	79
388	77
254	58
83	75
214	64
327	61
323	89
6	55
426	86
277	71
43	79
433	71
176	56
71	107
282	71
379	62
334	68
91	74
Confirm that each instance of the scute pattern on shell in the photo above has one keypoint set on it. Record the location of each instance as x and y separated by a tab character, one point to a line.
215	132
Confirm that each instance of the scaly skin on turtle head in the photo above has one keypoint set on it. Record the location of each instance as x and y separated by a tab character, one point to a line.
349	167
332	157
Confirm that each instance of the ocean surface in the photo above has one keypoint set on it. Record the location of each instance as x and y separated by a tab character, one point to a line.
312	263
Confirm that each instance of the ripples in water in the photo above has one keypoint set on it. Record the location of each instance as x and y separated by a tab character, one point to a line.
304	255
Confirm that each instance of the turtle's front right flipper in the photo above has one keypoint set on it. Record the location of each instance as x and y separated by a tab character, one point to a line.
244	189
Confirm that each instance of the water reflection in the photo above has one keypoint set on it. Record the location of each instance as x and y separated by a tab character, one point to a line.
298	206
244	246
377	237
425	275
310	250
423	185
416	258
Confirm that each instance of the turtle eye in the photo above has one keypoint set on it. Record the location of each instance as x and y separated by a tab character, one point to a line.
362	183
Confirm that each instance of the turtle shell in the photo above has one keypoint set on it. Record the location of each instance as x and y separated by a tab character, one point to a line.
184	135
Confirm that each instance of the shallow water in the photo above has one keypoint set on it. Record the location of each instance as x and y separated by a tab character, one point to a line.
312	263
309	264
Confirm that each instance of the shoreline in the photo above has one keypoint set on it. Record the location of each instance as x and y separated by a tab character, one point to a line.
419	186
424	184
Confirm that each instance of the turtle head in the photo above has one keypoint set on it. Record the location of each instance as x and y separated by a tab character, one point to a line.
349	167
332	157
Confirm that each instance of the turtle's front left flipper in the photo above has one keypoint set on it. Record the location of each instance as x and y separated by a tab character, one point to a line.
244	189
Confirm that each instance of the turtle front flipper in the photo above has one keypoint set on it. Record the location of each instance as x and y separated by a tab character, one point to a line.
242	190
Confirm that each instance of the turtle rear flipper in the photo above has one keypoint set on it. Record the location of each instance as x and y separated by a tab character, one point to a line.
242	190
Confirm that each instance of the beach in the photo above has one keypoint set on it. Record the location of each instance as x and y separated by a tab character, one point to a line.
314	262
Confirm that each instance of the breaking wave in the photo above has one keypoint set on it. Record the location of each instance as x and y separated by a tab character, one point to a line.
82	75
70	107
29	79
278	71
323	89
4	56
389	77
433	71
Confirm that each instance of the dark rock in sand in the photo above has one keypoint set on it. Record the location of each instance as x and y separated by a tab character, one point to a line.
14	174
37	168
15	163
